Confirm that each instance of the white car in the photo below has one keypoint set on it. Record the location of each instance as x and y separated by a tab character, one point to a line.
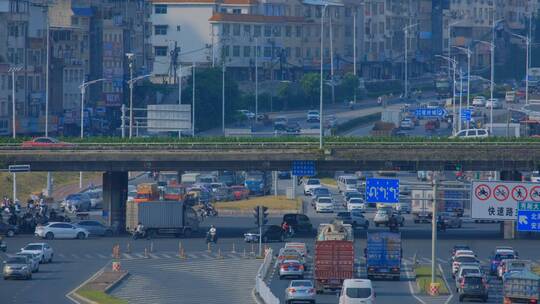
407	124
357	291
313	116
61	230
34	259
403	207
479	101
324	204
311	184
96	198
535	177
247	113
472	133
43	250
356	203
495	102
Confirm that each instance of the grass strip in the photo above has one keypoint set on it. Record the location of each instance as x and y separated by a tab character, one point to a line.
272	202
423	279
100	297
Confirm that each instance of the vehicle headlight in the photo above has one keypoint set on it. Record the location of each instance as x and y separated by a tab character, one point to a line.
25	268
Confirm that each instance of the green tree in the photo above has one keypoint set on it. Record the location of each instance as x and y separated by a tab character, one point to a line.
348	86
310	83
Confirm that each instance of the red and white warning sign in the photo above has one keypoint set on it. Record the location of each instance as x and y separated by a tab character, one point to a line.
498	200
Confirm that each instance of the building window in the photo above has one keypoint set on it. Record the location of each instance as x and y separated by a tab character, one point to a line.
247	51
267	31
236	29
160	30
178	28
288	31
277	31
287	52
160	50
247	30
236	51
298	52
160	8
237	11
298	31
348	31
267	51
225	29
225	51
257	31
347	12
74	20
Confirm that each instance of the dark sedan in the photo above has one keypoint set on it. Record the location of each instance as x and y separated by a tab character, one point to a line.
269	233
8	230
95	228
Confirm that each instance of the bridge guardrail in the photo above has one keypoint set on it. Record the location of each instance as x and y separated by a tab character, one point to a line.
261	288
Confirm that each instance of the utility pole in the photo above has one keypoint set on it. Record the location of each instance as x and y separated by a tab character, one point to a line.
179	91
193	102
130	59
223	97
434	227
321	81
332	59
13	70
460	97
406	61
354	50
256	78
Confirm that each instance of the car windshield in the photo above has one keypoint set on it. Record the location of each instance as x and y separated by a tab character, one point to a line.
466	259
325	200
467	271
355	201
456	248
382	211
322	191
32	247
358	293
500	257
301	284
354	194
73	196
17	260
313	113
343	214
350	181
313	182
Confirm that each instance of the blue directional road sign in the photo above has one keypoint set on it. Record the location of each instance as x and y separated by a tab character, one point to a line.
528	220
466	114
433	113
381	190
303	168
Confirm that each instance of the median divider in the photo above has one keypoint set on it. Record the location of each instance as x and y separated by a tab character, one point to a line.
262	292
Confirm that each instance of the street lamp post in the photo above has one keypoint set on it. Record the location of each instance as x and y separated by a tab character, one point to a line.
492	49
13	70
256	79
454	67
527	43
223	97
469	53
406	42
193	102
82	87
354	50
450	38
131	83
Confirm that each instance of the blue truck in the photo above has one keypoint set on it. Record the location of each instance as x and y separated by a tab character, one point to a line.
383	255
258	182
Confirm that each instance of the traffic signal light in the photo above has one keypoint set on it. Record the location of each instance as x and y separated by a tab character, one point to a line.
257	215
261	215
264	215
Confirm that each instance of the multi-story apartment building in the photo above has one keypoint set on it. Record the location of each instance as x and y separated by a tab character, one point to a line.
285	34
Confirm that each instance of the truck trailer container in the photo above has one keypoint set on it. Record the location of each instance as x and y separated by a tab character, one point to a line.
383	255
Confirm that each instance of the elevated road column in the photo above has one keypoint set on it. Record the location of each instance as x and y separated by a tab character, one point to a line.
115	187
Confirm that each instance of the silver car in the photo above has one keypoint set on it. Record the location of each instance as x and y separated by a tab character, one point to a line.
17	267
77	202
33	258
300	291
291	268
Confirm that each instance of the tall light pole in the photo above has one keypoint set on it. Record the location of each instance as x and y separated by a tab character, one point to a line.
406	42
469	53
130	60
256	78
13	70
82	87
223	97
354	50
460	97
47	87
492	82
527	43
332	57
450	25
193	102
131	83
454	67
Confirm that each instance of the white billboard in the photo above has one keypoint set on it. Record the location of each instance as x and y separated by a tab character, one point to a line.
496	200
168	117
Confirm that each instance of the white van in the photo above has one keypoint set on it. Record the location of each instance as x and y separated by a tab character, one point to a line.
190	178
356	291
348	183
472	133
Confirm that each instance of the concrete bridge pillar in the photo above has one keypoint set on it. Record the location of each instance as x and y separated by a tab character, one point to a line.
508	228
115	187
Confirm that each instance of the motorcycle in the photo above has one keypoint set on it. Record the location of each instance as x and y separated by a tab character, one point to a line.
211	238
139	235
394	227
441	226
208	210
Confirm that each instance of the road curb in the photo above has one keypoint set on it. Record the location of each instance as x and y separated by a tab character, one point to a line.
72	295
256	297
117	282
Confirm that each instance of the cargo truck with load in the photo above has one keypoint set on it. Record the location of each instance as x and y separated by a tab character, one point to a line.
258	182
383	255
162	218
146	192
334	256
521	287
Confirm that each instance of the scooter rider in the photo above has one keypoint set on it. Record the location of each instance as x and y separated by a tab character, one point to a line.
139	230
212	234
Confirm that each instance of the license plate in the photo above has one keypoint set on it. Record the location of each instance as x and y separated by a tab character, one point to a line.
383	270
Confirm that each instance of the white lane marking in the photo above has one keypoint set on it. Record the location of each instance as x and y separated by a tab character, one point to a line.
447	285
441	261
411	289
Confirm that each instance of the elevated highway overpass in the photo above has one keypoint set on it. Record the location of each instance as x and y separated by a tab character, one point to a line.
116	160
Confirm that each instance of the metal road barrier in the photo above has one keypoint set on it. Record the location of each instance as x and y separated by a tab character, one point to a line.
260	286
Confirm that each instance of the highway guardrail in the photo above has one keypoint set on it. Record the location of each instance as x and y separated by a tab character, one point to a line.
261	288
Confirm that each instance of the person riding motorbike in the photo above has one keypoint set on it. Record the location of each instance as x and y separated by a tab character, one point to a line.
211	235
441	224
393	223
139	231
